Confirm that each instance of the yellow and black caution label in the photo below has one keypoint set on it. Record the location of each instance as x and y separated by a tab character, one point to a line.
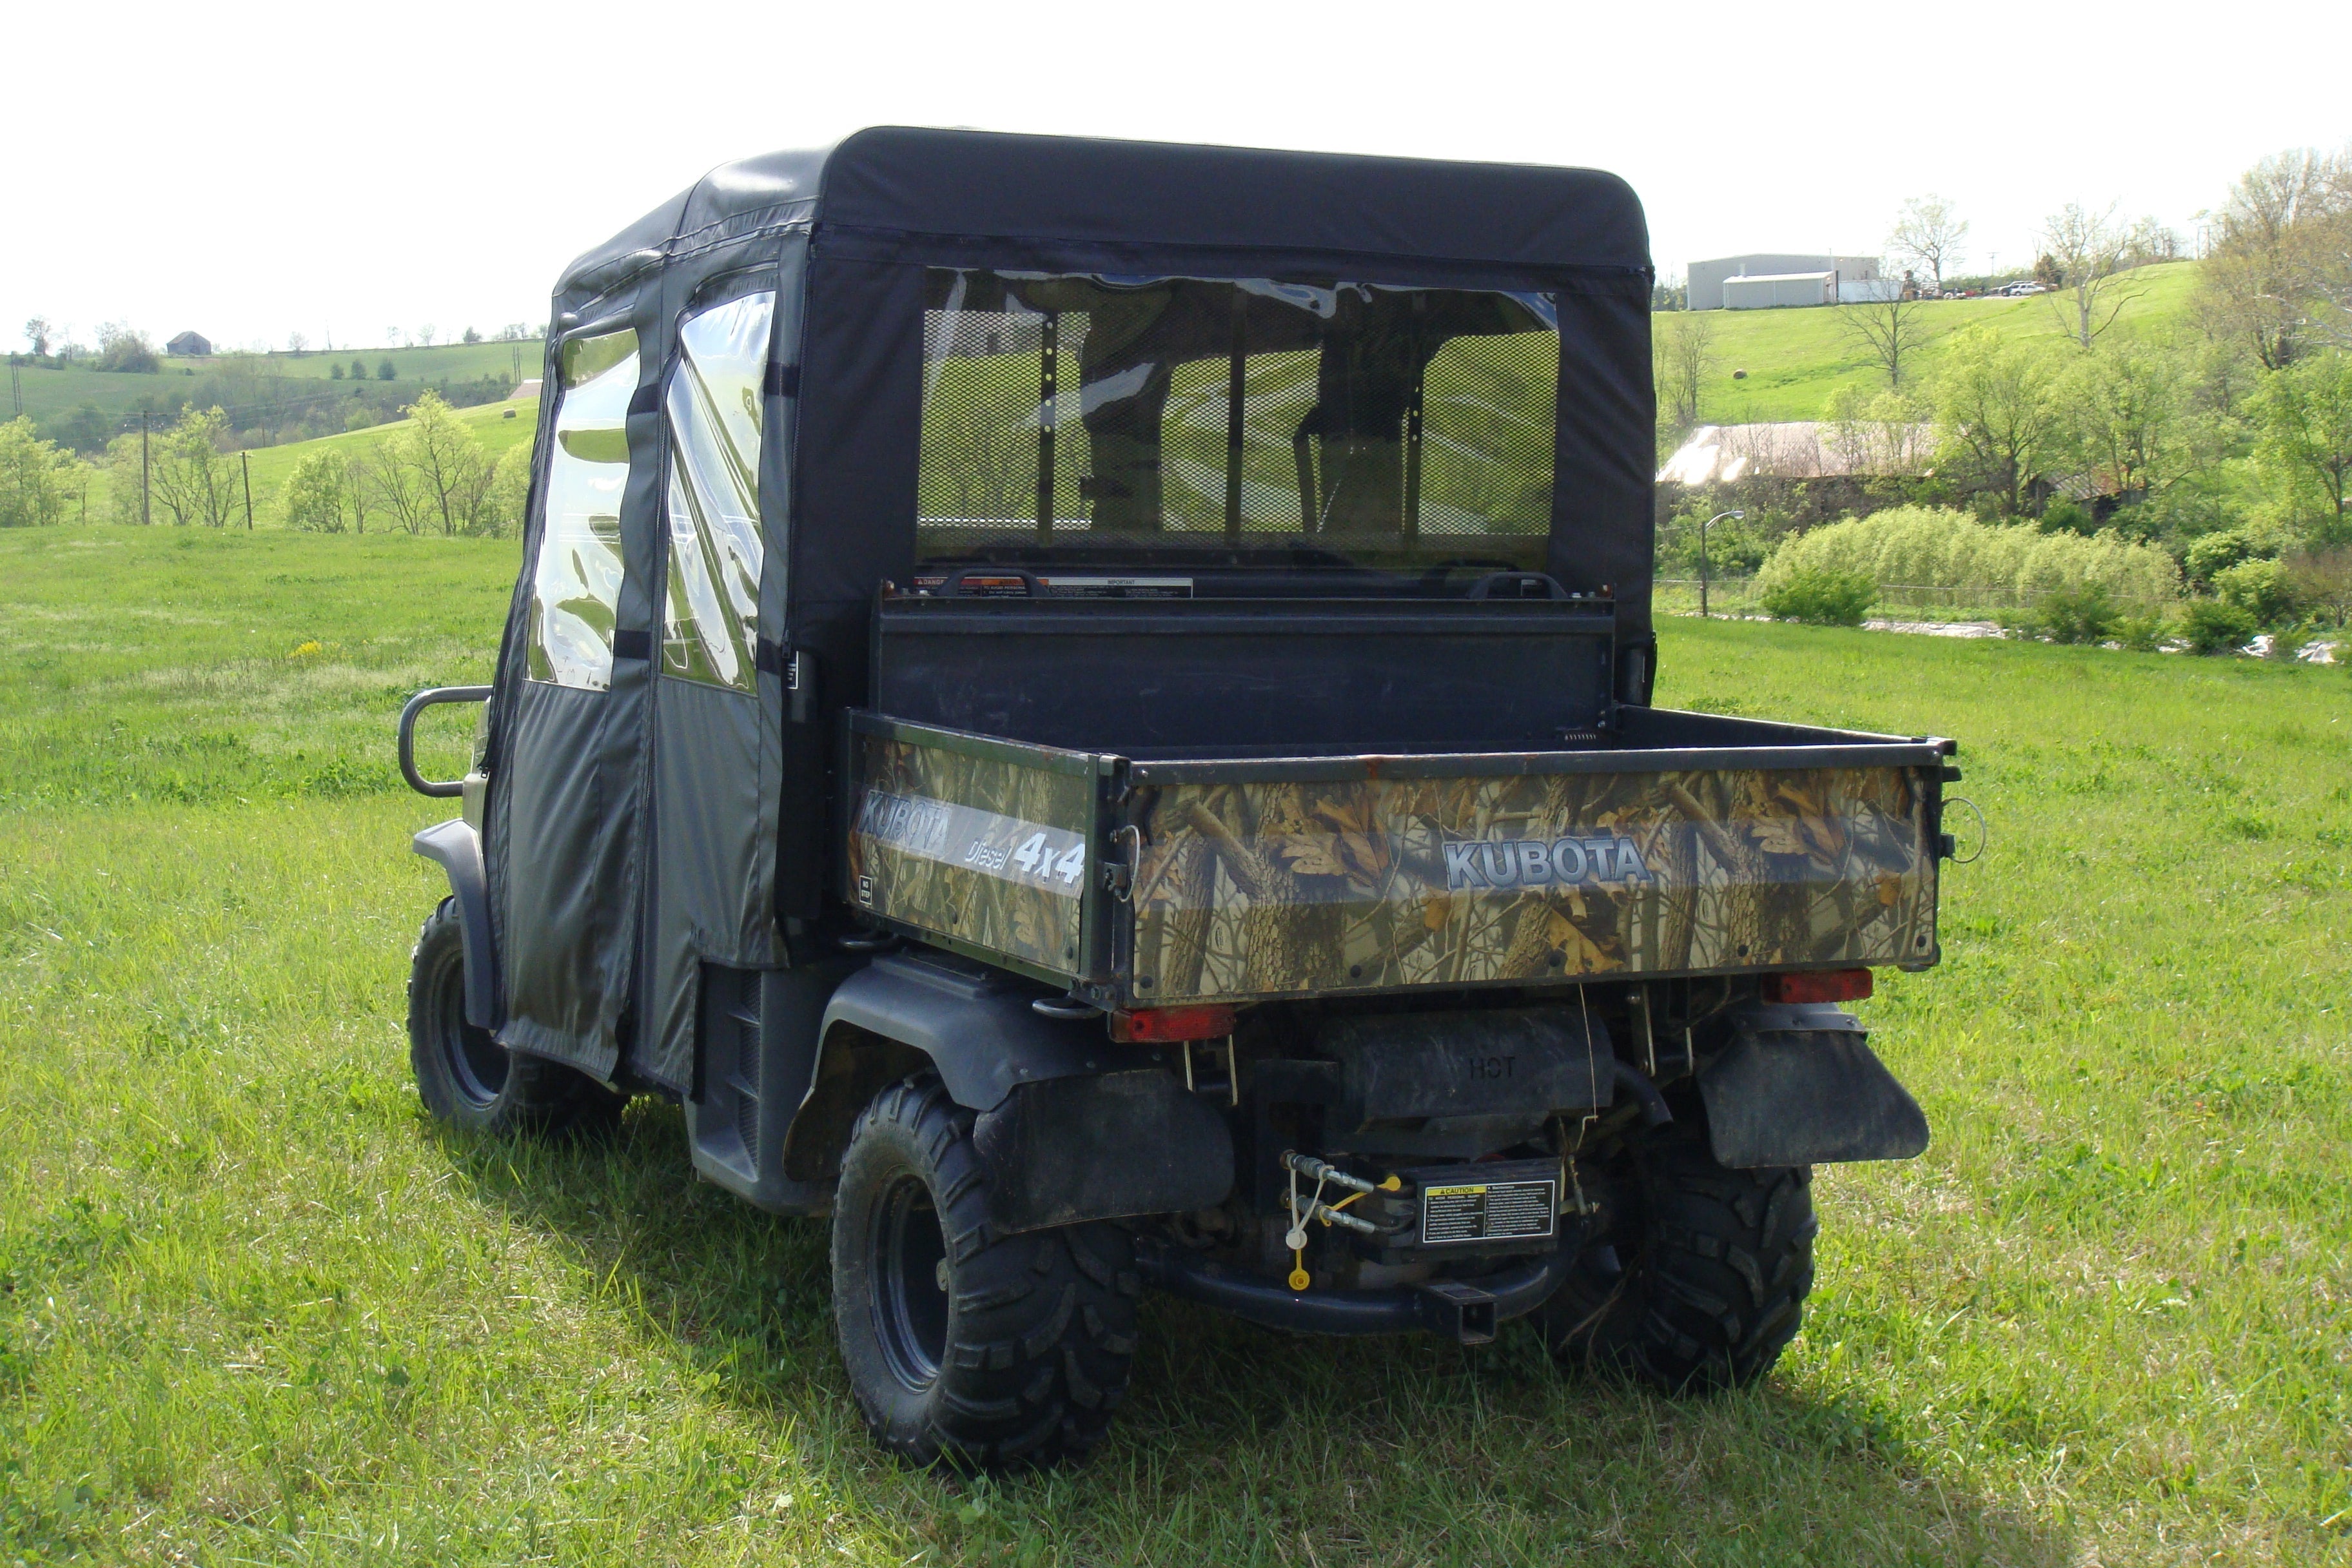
1487	1211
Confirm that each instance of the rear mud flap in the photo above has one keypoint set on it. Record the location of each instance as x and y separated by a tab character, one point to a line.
1800	1085
1077	1149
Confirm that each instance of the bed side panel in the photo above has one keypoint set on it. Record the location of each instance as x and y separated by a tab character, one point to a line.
981	849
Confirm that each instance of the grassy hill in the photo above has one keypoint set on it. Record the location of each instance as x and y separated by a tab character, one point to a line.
498	426
1796	358
48	397
253	1307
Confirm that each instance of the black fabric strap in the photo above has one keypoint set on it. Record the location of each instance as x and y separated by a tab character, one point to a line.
783	381
768	657
645	400
633	644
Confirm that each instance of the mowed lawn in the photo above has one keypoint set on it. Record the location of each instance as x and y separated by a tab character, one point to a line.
254	1308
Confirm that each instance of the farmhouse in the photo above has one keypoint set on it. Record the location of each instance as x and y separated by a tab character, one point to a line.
1712	287
189	343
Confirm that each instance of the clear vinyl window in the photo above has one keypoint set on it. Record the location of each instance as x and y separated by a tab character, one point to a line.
1250	422
710	625
577	588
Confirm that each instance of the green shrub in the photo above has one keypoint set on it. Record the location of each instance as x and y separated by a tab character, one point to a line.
2261	588
1936	547
1822	596
2084	614
2216	552
2066	516
2140	634
2215	626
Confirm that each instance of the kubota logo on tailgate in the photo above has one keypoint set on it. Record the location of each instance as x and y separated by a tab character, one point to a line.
1538	862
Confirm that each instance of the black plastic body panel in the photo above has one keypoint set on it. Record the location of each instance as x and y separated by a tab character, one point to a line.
1301	676
755	1051
456	848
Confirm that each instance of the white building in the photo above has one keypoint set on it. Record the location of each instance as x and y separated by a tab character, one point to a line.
1767	289
1707	277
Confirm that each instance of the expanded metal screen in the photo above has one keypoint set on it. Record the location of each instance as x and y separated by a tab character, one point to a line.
1063	416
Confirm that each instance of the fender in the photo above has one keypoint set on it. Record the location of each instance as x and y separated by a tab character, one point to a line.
1799	1085
458	850
908	1011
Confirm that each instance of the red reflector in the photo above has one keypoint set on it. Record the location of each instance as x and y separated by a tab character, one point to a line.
1818	985
1154	1025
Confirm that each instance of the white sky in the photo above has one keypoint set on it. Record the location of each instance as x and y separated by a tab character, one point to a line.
250	170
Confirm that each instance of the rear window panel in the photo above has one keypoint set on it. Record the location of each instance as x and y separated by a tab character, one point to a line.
1234	426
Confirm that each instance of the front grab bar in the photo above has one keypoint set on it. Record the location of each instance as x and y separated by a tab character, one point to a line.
418	704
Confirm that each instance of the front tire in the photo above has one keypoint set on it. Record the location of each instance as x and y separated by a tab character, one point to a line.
965	1347
464	1076
1700	1280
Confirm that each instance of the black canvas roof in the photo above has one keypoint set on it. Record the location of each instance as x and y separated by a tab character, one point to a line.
965	185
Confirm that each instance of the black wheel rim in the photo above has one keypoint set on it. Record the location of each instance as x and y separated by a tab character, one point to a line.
477	1063
911	1305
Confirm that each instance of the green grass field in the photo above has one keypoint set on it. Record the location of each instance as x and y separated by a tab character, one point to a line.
1796	358
253	1308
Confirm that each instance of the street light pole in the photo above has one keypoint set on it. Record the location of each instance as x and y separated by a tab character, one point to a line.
1736	514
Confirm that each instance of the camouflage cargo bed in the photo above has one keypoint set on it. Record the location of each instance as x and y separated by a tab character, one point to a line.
1682	844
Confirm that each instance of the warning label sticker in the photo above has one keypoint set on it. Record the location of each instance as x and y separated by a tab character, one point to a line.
1488	1211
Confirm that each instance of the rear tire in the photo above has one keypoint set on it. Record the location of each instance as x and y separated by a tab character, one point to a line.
964	1347
1700	1280
464	1076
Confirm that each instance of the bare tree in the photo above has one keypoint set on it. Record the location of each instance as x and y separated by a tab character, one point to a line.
1928	233
2323	578
38	333
2269	261
2088	249
1889	327
1683	354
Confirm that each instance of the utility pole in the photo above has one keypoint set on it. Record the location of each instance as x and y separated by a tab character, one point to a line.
1703	573
146	514
244	461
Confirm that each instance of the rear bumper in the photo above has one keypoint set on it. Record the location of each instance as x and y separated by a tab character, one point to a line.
1465	1310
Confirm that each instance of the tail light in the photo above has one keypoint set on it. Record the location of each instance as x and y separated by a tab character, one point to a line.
1818	985
1152	1026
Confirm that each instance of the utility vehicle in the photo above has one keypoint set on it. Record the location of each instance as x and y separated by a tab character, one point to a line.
1083	708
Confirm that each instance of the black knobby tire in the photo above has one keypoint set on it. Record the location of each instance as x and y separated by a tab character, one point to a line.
1701	1280
464	1076
980	1351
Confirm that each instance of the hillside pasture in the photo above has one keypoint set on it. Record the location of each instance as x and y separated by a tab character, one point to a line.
48	394
257	1308
1796	358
